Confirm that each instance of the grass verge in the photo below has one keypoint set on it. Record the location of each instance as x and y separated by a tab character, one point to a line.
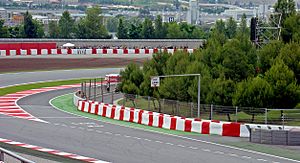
18	88
65	103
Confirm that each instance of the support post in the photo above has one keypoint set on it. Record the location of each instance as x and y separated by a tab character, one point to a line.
236	111
211	111
102	99
266	116
199	81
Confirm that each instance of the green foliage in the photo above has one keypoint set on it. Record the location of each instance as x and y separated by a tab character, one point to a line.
291	30
283	82
285	7
132	77
53	30
267	55
4	33
148	29
66	25
91	26
30	28
231	28
122	30
112	24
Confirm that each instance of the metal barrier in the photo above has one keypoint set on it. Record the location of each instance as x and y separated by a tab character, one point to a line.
276	137
4	152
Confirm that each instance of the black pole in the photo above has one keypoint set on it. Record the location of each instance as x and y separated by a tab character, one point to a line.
102	90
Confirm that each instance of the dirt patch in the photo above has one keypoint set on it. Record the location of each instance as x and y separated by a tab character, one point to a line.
34	64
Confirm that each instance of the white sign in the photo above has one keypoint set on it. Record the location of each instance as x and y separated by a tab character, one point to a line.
155	81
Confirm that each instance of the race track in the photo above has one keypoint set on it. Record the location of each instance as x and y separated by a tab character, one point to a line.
105	141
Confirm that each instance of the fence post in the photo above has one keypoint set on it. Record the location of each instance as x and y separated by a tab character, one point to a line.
85	93
95	89
191	107
211	111
236	111
112	97
90	84
124	99
266	116
102	99
81	87
149	103
1	156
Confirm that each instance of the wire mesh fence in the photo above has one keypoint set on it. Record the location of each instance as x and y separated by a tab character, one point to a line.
214	112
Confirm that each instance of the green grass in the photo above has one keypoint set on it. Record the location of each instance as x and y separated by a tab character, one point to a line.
14	89
65	103
274	116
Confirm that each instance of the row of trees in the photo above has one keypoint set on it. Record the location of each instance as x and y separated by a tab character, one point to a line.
157	29
89	27
233	72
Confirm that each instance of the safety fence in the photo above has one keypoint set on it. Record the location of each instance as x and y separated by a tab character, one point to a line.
6	155
214	112
93	51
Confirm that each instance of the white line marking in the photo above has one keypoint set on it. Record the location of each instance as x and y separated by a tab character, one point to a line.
158	142
233	154
219	152
56	124
195	148
136	138
64	125
117	134
178	136
169	144
247	157
259	159
147	139
109	133
179	145
73	126
205	150
127	136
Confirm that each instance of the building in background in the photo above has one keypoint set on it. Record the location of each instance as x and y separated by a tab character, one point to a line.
193	12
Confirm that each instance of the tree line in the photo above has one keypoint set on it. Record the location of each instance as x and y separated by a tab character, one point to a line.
233	71
156	30
89	27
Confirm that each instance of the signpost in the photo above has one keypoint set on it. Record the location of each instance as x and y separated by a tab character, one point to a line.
155	81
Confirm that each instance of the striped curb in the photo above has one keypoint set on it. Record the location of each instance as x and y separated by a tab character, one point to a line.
94	51
52	151
166	121
9	106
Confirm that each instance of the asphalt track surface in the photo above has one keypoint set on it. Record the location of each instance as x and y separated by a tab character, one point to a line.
105	141
9	79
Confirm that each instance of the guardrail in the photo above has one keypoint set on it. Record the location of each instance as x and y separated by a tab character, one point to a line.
17	157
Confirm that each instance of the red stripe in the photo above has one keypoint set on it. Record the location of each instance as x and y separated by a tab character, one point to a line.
140	116
104	111
69	51
160	120
146	51
173	123
125	51
104	51
232	129
90	107
113	112
136	51
188	125
121	114
82	106
150	119
94	51
115	51
155	50
96	109
131	115
49	51
58	51
205	128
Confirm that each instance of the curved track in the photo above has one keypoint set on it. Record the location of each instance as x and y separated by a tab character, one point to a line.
111	142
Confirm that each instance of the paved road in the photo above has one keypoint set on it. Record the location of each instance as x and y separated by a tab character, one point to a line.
27	77
113	143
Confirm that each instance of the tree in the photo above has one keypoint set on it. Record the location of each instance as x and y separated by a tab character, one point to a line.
39	29
267	55
285	7
243	30
122	30
66	25
135	31
4	33
231	28
220	93
174	31
91	26
290	54
148	30
256	93
282	79
112	24
53	29
160	33
30	28
291	30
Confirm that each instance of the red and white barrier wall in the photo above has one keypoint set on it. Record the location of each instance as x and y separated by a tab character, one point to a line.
163	120
35	52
